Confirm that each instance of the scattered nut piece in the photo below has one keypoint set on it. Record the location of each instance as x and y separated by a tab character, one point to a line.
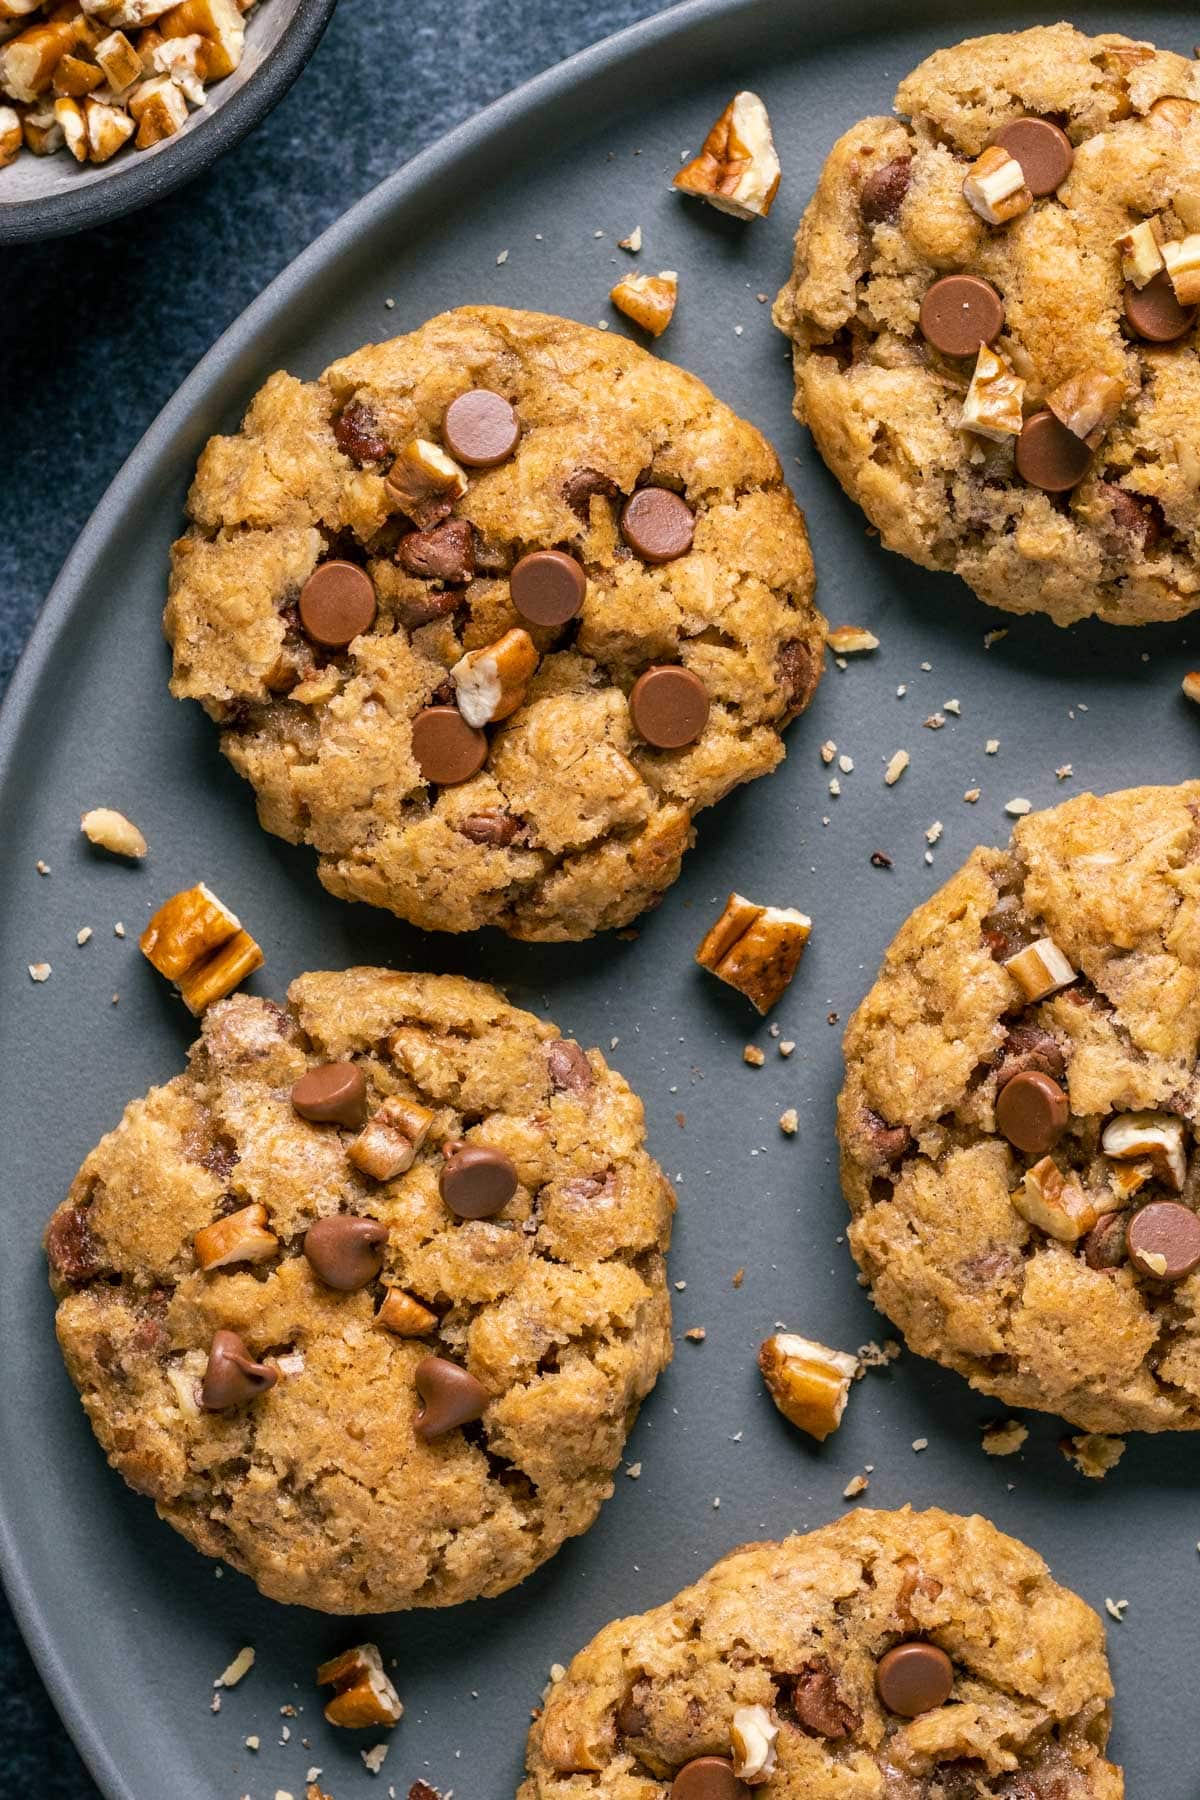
108	127
649	300
754	1056
633	242
241	1236
857	1484
11	137
112	831
829	749
363	1694
1094	1455
404	1315
241	1665
752	1739
28	61
995	187
158	108
425	482
491	682
851	640
896	767
1040	969
119	60
1141	252
738	169
218	23
789	1122
1182	259
196	942
39	971
68	116
994	404
1088	404
1056	1203
756	949
808	1382
1156	1137
1003	1437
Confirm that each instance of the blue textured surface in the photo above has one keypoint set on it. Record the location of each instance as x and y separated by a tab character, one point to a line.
99	330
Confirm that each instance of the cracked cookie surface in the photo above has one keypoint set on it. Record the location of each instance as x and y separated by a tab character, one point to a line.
796	1630
322	1488
574	822
889	219
1032	1289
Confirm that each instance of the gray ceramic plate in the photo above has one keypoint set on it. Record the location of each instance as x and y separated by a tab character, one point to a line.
128	1625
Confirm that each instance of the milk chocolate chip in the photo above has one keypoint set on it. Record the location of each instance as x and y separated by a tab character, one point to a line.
658	524
480	428
913	1678
450	1395
1049	456
669	706
1164	1240
232	1376
345	1251
1043	150
446	748
961	312
332	1094
1032	1112
477	1181
337	604
708	1778
547	587
1154	313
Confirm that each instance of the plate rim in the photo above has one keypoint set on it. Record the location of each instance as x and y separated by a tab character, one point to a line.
405	183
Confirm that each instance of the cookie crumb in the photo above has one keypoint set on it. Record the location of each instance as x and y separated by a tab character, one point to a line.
896	768
991	747
993	637
754	1056
971	796
1003	1437
1065	772
241	1666
920	1444
373	1759
40	971
83	935
1018	807
739	1275
857	1484
43	868
828	752
789	1122
696	1335
1093	1453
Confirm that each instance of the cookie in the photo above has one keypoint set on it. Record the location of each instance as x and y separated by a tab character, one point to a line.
914	1654
488	613
1006	388
367	1300
1018	1123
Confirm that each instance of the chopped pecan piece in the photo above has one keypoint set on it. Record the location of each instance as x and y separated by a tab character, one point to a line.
818	1705
444	552
356	433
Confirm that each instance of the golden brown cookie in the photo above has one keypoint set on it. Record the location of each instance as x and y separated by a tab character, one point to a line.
488	613
916	1655
1018	1124
1055	467
367	1300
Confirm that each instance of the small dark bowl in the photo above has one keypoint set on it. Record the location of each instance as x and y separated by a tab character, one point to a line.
51	196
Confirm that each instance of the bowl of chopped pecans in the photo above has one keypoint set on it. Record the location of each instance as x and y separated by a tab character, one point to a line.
106	105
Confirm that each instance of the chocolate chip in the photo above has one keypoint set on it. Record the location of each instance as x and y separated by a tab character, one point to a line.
232	1376
883	191
480	428
221	1160
477	1181
582	486
446	748
1154	313
547	587
817	1704
1029	1046
1043	150
961	312
332	1094
356	433
631	1716
71	1246
1164	1240
450	1395
345	1251
337	604
1137	520
669	706
434	603
913	1678
1049	456
496	829
658	524
1104	1246
799	667
880	859
882	1144
445	552
570	1070
1032	1112
708	1778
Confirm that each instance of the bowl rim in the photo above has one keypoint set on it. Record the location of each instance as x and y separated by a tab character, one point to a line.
135	182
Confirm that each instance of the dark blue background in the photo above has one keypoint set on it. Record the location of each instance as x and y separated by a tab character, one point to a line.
100	329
